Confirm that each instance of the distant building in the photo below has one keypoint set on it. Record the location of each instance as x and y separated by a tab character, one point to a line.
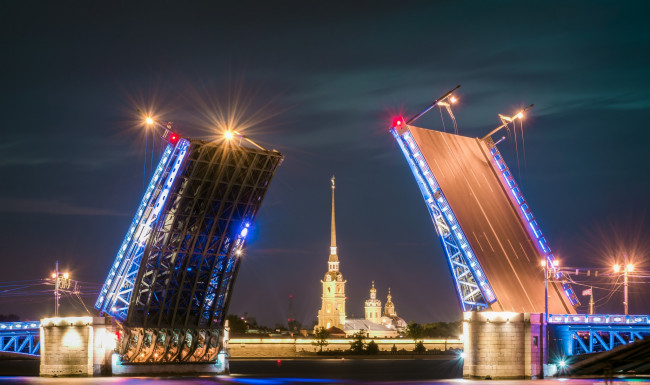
390	318
373	306
371	325
332	316
332	312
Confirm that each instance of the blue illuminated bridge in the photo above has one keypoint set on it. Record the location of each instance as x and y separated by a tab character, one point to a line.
171	280
170	283
492	240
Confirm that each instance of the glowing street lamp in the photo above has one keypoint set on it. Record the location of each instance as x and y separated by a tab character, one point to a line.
62	281
228	135
149	120
506	120
545	323
627	268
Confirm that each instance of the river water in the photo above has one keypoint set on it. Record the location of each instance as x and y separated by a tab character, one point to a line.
316	371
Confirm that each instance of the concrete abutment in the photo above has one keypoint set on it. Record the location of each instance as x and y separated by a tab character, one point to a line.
502	345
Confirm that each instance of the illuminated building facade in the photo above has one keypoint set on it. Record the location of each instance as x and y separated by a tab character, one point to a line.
373	306
170	284
332	312
333	301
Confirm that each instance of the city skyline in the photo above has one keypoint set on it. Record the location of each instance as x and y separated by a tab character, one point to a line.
322	84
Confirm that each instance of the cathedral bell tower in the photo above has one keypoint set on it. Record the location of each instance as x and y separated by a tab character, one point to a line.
389	309
373	306
332	312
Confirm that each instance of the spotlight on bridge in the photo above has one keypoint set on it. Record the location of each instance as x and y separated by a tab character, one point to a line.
617	268
228	135
149	120
453	99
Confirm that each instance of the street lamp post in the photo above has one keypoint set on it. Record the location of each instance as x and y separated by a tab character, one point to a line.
56	291
544	332
627	268
545	321
61	282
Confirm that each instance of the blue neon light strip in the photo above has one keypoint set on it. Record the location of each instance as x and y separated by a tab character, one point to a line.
20	338
592	319
527	216
429	187
143	232
134	224
25	325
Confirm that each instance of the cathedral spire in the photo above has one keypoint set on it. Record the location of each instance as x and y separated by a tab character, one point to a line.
333	254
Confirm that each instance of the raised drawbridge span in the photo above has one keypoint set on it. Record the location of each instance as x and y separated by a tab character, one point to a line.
170	284
492	241
488	232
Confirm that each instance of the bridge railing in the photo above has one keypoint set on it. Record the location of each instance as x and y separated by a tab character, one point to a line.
599	319
577	334
20	337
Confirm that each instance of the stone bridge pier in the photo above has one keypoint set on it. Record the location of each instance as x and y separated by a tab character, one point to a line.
502	345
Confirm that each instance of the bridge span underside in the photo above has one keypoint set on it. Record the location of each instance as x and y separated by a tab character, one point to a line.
474	186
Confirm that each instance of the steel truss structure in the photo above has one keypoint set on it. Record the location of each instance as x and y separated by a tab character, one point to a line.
170	284
472	286
21	338
580	334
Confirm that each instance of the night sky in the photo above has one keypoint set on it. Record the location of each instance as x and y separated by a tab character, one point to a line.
320	82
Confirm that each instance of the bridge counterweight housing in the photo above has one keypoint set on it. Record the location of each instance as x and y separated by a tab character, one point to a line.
170	285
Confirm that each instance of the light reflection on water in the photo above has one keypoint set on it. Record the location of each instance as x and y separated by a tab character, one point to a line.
280	381
310	372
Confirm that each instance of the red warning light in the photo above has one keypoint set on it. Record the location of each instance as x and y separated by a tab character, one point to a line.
173	138
398	122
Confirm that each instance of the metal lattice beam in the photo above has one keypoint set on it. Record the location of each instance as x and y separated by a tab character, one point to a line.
21	338
176	269
591	333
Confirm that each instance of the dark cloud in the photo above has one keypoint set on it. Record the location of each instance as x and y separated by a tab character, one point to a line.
49	207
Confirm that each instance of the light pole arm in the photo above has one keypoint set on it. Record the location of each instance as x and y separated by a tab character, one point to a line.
505	124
